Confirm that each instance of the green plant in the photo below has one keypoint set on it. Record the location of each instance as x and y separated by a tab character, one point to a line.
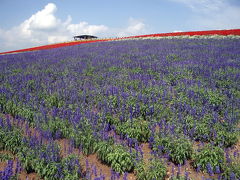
226	139
15	109
209	155
56	124
103	148
27	158
120	159
111	120
232	171
31	85
178	177
71	169
89	71
53	100
85	139
162	144
179	149
11	140
154	170
5	157
201	132
173	58
137	129
189	122
26	113
215	98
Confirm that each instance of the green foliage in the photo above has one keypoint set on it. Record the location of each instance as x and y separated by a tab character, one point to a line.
232	171
71	170
5	157
189	122
179	177
103	148
116	156
113	101
137	129
120	159
49	170
172	79
58	125
226	139
179	149
162	144
10	107
85	139
31	85
209	155
112	120
154	170
89	71
10	140
16	71
27	158
201	132
113	69
215	98
26	113
136	70
53	100
166	113
144	108
132	84
173	58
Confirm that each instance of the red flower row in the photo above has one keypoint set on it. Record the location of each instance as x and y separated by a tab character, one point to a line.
194	33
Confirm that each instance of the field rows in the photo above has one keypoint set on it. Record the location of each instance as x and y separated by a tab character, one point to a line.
137	109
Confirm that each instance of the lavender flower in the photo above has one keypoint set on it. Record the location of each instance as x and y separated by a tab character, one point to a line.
125	176
217	170
18	167
8	171
209	169
198	168
186	175
232	176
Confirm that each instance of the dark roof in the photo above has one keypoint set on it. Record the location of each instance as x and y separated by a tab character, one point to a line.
85	36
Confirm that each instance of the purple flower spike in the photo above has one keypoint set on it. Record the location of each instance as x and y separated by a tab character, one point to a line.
18	167
198	168
209	169
186	175
232	176
217	171
125	176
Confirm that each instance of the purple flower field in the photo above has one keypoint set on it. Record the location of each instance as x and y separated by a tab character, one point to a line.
133	109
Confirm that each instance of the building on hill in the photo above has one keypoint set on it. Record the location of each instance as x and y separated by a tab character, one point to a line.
81	37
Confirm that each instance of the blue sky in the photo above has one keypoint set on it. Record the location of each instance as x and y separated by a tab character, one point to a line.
31	23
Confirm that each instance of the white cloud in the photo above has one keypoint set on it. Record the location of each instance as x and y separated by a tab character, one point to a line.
85	28
44	27
135	27
59	38
212	14
202	5
177	31
44	19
